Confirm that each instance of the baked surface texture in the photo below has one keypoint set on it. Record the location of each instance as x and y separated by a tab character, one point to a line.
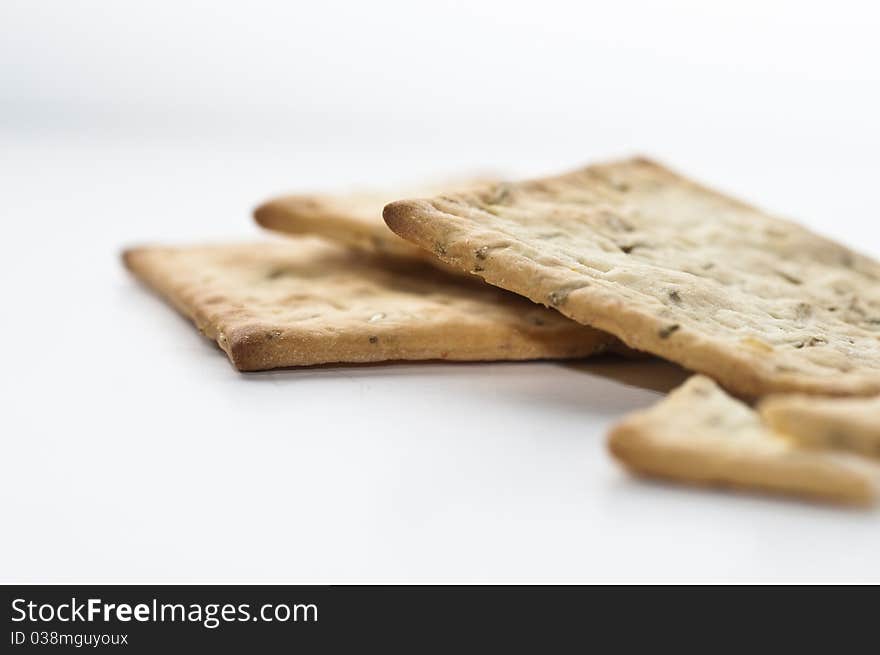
834	423
306	302
699	434
354	219
672	268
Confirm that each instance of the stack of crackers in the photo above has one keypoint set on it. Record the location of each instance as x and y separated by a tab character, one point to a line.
780	325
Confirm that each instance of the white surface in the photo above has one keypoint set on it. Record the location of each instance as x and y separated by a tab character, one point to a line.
132	451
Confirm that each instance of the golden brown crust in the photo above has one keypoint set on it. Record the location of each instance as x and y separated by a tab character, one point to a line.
672	268
304	302
700	435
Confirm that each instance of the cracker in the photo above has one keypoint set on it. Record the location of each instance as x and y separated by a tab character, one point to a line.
673	268
699	434
835	423
353	219
306	302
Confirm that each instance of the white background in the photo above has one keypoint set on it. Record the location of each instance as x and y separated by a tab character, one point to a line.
133	452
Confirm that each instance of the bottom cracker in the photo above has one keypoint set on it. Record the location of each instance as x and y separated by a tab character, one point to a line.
305	302
699	434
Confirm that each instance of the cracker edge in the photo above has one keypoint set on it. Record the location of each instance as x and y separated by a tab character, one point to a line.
239	346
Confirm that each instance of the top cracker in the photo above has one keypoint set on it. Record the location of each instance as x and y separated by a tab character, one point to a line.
671	267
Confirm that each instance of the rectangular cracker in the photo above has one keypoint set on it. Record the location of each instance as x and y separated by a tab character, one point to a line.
835	423
307	302
353	219
673	268
699	434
